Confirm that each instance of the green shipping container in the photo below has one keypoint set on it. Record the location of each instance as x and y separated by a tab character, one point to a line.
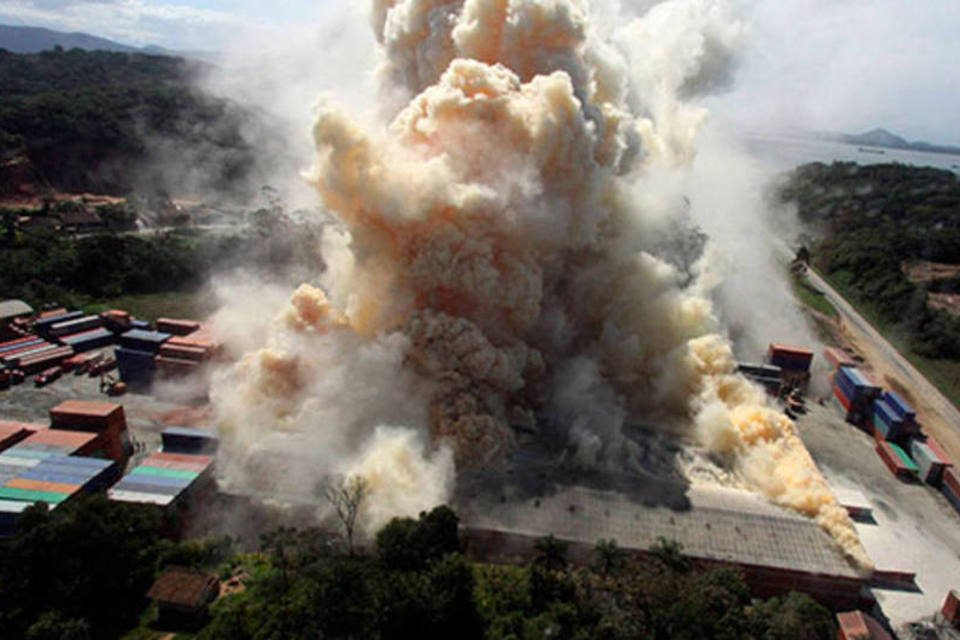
27	495
907	460
164	473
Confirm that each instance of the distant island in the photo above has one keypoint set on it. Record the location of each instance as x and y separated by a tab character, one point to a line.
883	139
18	39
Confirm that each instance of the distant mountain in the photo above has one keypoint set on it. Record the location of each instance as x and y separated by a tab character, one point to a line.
883	139
35	40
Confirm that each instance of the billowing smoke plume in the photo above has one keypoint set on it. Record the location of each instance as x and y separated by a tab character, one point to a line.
497	264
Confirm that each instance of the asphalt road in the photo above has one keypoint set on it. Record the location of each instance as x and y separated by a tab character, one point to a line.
896	363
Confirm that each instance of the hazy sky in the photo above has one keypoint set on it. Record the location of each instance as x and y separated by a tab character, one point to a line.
831	64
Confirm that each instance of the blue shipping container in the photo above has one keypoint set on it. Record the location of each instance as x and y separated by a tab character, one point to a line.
140	340
22	345
46	323
899	405
148	487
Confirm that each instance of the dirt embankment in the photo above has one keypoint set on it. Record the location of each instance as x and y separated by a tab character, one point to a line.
942	281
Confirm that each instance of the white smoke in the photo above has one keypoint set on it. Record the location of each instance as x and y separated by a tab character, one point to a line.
514	246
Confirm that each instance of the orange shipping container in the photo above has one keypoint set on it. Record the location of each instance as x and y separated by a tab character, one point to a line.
37	485
94	416
68	439
182	457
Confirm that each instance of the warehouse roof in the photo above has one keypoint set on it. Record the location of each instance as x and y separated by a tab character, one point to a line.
10	309
717	524
182	587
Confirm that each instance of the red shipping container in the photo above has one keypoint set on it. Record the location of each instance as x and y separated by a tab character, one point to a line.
951	609
177	327
838	358
182	457
952	479
838	392
95	416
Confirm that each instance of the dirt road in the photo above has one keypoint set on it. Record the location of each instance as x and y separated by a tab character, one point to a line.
939	417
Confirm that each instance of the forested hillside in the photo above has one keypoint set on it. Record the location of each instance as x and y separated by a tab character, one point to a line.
872	226
97	121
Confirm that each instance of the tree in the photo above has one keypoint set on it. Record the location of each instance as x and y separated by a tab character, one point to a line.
405	544
53	626
347	498
551	553
608	557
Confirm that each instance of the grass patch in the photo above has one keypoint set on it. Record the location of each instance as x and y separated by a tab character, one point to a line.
178	304
943	374
811	297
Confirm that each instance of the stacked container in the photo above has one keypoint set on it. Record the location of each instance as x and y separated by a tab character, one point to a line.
856	394
931	462
76	325
104	419
893	418
790	358
13	432
164	479
10	512
137	368
89	340
838	358
188	440
177	327
950	487
897	460
23	459
42	326
145	341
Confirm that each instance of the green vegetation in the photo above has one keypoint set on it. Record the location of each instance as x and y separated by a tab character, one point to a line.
872	222
811	297
80	573
84	118
128	271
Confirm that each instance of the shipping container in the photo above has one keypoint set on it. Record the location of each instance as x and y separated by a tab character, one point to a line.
854	379
952	479
182	457
141	484
188	440
80	415
36	485
198	354
122	495
10	513
20	345
951	609
929	466
838	358
938	449
136	367
896	460
899	406
140	340
41	326
28	495
177	327
75	326
13	432
159	472
60	438
46	360
952	496
789	357
143	325
96	339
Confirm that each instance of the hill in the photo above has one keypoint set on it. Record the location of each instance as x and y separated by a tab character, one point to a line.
884	139
35	39
115	122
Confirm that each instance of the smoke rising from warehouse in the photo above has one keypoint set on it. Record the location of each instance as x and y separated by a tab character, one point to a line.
498	266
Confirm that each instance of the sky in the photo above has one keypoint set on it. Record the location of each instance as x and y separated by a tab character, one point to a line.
842	65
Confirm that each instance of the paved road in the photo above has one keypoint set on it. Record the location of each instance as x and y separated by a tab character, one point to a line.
908	374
